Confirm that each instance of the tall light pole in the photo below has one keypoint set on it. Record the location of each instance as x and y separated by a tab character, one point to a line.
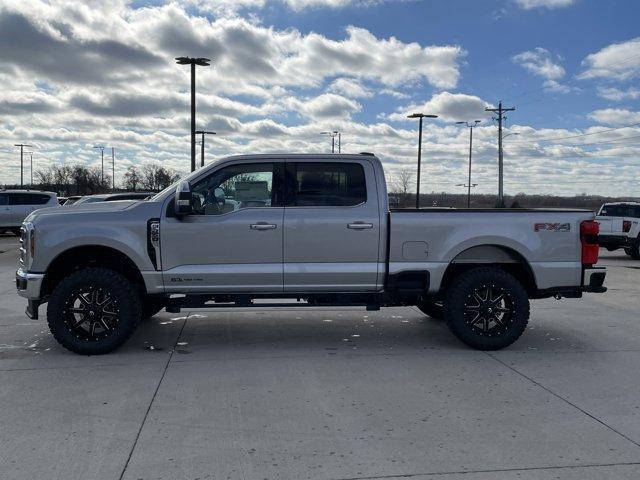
102	160
203	62
471	127
31	168
21	145
113	168
203	133
419	116
333	136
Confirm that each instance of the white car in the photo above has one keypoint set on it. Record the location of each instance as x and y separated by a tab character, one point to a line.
15	205
620	227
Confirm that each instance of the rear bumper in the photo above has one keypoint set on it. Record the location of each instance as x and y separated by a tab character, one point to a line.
616	241
593	279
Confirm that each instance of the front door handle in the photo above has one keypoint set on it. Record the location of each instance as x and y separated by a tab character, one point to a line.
360	225
263	226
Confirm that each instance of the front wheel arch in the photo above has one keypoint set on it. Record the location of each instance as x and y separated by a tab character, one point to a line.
96	256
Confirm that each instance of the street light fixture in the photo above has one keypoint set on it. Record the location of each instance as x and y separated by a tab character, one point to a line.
471	127
102	160
333	136
21	145
203	133
203	62
419	116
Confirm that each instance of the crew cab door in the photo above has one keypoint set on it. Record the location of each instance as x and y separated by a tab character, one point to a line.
233	240
331	226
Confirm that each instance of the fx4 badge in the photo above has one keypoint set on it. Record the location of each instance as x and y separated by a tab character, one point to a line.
552	227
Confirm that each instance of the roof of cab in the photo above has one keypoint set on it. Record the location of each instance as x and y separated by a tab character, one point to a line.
301	156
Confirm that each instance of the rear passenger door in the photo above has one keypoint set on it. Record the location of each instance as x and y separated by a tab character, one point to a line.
23	204
5	211
331	227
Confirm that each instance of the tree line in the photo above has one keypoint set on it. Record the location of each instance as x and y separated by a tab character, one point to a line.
82	180
402	195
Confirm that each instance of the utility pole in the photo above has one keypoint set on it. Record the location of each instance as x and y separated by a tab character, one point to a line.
203	133
113	169
419	116
500	111
21	145
102	159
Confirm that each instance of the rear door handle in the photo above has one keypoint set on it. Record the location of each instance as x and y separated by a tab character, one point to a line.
360	225
263	226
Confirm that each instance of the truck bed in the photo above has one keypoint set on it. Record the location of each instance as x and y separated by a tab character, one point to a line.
548	240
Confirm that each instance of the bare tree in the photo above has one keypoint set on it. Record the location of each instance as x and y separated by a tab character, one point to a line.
401	186
131	179
156	177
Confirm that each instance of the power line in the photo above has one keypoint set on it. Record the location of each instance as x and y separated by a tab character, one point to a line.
578	135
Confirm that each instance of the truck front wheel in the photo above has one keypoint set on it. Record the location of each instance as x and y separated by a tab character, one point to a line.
93	311
486	308
634	250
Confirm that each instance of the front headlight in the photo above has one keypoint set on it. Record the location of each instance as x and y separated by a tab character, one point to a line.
27	245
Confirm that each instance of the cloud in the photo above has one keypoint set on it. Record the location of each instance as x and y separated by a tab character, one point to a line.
618	61
350	88
56	53
448	106
618	95
540	62
615	116
326	106
549	4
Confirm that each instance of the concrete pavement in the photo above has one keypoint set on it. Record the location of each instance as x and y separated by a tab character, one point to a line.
327	394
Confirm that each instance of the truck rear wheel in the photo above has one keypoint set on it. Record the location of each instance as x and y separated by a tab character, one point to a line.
93	311
486	308
432	309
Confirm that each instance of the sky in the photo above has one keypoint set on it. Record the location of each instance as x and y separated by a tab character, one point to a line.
79	74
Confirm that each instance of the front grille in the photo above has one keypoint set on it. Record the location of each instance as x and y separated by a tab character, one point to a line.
23	246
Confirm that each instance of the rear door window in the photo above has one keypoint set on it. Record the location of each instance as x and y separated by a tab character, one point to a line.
29	199
325	184
613	211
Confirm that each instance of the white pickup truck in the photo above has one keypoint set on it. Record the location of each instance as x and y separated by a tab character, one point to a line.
620	227
305	230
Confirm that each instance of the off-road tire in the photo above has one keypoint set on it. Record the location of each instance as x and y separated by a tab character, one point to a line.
634	250
432	309
502	324
64	312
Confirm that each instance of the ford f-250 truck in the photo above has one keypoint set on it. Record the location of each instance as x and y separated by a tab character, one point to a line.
310	230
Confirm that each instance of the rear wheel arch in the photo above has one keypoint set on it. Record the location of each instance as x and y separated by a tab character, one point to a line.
500	256
91	256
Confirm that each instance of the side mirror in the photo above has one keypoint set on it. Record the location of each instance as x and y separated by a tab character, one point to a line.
183	199
219	194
